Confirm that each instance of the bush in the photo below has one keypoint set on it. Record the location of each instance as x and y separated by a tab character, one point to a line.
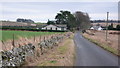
118	27
19	28
27	28
110	27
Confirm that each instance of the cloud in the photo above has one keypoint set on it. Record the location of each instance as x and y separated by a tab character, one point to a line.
35	17
14	10
103	16
42	11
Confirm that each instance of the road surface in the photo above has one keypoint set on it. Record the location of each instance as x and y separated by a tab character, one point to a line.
89	54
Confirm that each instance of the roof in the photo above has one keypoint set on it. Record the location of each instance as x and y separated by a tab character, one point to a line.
62	26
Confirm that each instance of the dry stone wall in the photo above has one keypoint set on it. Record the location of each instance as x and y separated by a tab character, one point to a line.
18	55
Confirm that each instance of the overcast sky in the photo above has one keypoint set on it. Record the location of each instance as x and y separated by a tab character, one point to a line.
41	11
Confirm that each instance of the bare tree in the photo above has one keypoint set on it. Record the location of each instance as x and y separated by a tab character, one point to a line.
82	20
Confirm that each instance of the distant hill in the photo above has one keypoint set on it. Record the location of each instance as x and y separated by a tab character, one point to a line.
102	21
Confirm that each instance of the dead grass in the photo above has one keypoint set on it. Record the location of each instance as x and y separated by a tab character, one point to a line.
62	56
99	39
63	49
104	24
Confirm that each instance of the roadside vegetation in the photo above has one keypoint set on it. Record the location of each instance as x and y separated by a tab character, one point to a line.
98	38
64	55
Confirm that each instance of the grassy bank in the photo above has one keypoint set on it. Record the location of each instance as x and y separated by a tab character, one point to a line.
6	35
63	55
102	45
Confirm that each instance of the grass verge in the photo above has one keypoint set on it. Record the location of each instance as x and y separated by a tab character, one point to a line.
63	55
52	62
102	45
64	48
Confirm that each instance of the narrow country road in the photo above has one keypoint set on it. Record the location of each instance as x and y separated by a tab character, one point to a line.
89	54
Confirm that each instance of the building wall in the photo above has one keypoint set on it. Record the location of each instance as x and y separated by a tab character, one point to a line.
51	27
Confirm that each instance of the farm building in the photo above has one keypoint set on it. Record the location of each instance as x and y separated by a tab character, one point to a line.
96	28
55	27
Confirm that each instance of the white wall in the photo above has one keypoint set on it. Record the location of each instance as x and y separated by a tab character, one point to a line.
51	26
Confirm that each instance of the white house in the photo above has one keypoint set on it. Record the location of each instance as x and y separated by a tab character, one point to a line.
96	28
55	27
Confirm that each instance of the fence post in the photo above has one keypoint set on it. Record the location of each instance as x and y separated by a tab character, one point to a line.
13	43
3	44
41	50
34	38
44	38
40	39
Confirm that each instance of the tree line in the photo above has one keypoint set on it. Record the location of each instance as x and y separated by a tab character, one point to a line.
25	20
101	21
77	20
110	27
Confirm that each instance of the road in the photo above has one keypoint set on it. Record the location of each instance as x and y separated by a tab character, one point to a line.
89	54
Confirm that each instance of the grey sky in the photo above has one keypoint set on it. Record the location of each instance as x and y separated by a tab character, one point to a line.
42	11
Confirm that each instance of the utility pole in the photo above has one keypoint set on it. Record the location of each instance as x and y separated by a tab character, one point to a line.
107	25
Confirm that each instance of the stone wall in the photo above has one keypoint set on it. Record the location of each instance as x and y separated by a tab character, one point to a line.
18	55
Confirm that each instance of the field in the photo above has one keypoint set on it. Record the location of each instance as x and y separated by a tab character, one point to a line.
104	24
6	35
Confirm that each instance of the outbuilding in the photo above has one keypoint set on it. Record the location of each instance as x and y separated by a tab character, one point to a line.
96	28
